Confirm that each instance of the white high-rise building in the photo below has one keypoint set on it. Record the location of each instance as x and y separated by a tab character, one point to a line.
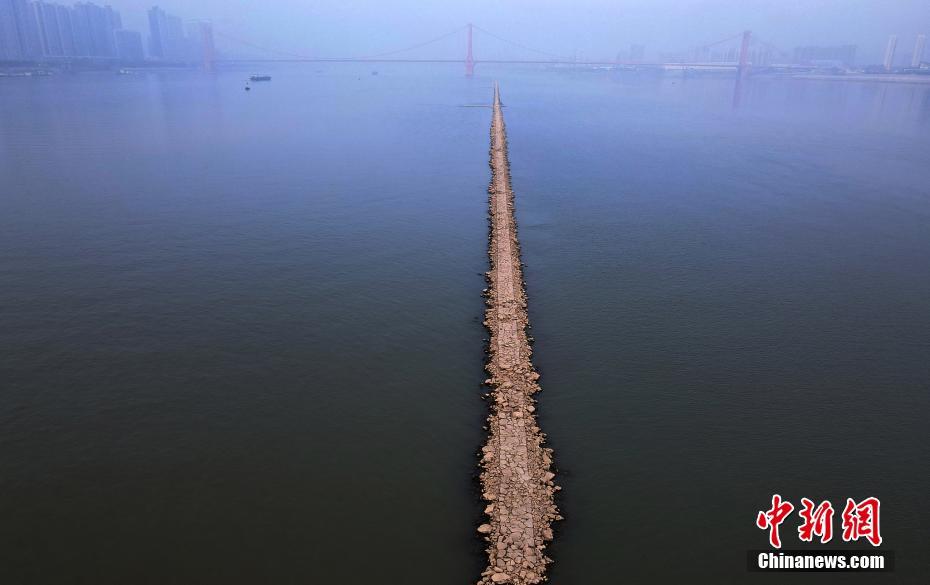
918	57
889	52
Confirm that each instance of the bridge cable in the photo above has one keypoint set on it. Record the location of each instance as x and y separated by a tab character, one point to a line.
367	57
522	46
416	46
726	40
772	46
220	33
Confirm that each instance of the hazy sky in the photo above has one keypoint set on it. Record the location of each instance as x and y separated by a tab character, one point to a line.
594	28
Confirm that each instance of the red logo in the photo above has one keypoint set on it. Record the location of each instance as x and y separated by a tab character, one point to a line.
817	522
773	518
860	520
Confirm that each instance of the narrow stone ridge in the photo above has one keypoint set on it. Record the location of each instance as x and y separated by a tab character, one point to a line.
516	475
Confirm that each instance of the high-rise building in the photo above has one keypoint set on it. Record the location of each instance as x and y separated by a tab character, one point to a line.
94	28
46	15
919	47
101	31
80	27
889	52
166	36
66	30
129	45
114	18
32	29
10	49
175	39
27	29
200	45
156	24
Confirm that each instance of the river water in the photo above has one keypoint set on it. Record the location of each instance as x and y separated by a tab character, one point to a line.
241	341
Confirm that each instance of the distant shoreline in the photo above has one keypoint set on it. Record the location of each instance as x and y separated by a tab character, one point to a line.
879	78
46	68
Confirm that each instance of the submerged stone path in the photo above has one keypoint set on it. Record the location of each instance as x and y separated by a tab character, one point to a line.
516	474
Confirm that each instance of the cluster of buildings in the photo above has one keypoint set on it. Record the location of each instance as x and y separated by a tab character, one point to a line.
841	55
845	56
37	29
759	56
32	30
917	57
171	40
838	57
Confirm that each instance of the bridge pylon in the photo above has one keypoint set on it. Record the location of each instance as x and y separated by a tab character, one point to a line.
744	53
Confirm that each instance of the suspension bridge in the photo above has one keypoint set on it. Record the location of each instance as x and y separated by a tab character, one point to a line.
738	52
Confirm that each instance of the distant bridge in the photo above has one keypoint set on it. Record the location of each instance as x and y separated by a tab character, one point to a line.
742	59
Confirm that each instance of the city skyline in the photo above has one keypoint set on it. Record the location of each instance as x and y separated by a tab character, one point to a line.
591	28
32	29
37	29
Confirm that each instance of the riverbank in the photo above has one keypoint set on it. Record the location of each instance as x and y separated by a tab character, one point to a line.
516	478
866	78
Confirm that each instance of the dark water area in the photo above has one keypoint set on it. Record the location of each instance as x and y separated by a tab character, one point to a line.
241	343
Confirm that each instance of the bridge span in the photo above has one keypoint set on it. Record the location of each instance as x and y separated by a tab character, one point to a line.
741	63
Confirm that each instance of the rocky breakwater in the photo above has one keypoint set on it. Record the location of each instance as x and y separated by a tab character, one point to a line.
516	476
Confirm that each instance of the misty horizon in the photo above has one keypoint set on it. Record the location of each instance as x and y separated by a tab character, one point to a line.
591	29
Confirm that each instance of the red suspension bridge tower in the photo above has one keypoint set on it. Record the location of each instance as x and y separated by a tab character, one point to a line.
208	48
743	70
469	57
744	53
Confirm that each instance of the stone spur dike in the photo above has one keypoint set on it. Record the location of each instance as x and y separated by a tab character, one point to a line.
516	475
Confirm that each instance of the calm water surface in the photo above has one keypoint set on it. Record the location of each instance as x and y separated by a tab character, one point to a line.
241	343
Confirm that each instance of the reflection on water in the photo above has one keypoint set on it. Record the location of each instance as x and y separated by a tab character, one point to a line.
738	90
243	334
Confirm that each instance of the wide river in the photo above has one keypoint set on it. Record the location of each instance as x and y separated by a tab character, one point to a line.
241	341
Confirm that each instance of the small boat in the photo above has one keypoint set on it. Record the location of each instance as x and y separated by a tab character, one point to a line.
260	78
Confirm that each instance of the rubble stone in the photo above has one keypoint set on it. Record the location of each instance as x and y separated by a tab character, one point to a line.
517	475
